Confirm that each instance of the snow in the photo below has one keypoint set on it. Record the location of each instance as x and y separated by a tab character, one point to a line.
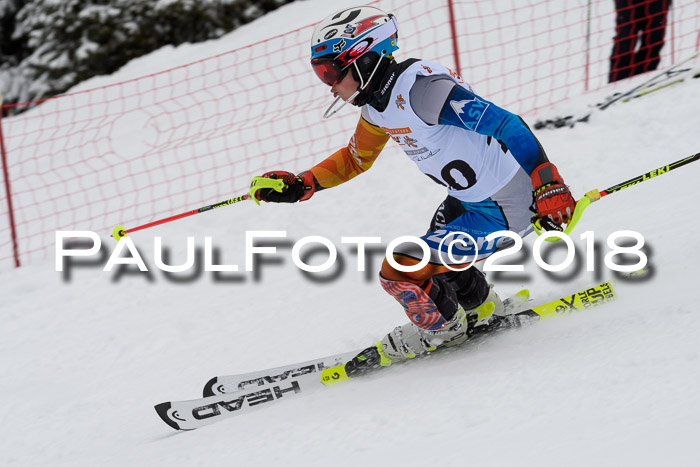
85	356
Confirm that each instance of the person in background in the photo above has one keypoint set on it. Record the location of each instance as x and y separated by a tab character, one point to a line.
640	22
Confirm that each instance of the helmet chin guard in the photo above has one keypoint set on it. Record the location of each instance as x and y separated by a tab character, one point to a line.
329	114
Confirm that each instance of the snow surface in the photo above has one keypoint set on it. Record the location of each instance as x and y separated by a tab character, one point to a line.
83	359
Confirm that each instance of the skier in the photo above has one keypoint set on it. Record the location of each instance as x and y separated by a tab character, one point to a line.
493	167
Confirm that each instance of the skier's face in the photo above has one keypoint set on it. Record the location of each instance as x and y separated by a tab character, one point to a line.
346	87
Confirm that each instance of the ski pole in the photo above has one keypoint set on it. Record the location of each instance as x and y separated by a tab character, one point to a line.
595	195
648	82
258	183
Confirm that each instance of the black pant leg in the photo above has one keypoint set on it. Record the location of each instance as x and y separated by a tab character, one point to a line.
648	56
624	42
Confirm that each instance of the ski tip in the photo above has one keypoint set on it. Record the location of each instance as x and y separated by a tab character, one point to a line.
162	410
209	387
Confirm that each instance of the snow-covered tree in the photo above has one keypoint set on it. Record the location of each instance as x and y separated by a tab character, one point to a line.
49	46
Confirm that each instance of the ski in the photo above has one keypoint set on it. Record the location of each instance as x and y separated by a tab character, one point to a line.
694	74
227	396
233	383
252	391
583	300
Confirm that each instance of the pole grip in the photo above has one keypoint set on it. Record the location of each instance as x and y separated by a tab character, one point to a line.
595	195
581	205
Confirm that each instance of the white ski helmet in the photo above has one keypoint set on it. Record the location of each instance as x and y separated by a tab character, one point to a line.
353	39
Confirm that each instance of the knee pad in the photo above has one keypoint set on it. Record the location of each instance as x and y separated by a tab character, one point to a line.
470	286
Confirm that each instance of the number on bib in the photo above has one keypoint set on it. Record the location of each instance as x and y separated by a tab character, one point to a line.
465	174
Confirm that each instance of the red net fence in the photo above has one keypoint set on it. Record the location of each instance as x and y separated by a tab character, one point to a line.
172	141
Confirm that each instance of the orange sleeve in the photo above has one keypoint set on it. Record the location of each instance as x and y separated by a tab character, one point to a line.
359	155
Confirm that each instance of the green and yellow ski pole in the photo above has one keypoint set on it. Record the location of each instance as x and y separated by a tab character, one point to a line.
595	195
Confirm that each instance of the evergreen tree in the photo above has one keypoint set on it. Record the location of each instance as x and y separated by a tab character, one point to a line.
48	46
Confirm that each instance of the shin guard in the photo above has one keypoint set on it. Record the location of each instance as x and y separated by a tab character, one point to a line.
430	306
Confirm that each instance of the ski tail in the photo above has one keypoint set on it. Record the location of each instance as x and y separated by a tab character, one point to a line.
209	387
162	410
192	414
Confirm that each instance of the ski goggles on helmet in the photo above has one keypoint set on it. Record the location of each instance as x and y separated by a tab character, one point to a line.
328	70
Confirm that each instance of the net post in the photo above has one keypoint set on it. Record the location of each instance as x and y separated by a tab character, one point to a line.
8	192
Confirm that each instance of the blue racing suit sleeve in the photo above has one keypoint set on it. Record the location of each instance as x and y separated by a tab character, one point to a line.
465	109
